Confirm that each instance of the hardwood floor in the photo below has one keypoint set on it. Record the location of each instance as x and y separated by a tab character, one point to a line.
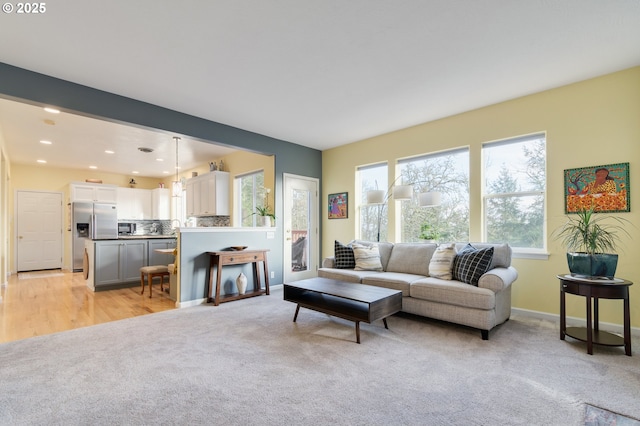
44	302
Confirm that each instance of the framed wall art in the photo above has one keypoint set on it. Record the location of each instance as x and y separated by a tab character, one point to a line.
338	205
605	187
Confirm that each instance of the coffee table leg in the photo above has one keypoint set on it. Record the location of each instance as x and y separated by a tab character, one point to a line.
384	320
295	317
358	331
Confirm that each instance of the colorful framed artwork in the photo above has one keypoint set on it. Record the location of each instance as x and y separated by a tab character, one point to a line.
338	205
605	187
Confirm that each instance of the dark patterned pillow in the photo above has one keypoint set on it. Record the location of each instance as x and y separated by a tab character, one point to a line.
344	257
470	263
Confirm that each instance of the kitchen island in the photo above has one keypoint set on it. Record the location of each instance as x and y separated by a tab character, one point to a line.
116	263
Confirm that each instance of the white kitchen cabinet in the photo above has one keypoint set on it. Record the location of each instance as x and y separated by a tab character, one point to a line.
98	193
134	204
160	204
208	195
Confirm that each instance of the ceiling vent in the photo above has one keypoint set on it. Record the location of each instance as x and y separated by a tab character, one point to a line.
146	150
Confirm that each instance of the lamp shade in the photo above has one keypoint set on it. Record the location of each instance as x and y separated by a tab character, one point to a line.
429	199
375	196
403	192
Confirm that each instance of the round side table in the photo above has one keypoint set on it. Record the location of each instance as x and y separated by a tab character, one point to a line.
615	288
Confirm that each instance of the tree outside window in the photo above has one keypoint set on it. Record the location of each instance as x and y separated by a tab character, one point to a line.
370	178
514	191
448	174
251	195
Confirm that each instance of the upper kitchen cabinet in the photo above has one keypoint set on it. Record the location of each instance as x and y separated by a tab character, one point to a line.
134	204
160	204
208	195
98	193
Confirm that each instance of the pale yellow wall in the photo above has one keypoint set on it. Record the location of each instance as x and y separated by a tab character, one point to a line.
587	124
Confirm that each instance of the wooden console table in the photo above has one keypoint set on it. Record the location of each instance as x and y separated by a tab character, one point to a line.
217	259
595	289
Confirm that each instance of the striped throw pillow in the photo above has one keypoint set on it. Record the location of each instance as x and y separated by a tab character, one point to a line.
441	263
367	258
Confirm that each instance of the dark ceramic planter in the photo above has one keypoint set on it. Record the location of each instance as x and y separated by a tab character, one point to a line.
592	265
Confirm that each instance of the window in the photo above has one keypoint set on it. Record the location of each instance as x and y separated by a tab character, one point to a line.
514	191
446	173
249	190
373	218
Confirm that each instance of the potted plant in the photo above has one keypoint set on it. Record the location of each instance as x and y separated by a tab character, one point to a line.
265	211
591	242
429	233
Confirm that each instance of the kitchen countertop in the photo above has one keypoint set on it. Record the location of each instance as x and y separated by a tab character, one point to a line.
144	237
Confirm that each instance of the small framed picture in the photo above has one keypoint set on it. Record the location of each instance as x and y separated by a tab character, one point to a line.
604	187
338	205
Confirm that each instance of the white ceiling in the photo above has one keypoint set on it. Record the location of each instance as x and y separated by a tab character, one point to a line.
323	73
80	142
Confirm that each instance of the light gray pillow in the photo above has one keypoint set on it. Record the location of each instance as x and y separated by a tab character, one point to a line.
367	258
441	262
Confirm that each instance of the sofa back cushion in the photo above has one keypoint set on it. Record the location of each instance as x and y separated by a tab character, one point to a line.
501	253
411	258
384	248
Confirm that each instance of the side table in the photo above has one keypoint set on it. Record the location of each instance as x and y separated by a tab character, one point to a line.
218	259
595	289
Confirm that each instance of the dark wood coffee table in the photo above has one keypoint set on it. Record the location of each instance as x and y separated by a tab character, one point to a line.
353	302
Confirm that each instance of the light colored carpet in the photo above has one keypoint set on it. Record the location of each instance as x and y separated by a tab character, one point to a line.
247	363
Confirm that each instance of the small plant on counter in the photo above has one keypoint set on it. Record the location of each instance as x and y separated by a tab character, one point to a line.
265	210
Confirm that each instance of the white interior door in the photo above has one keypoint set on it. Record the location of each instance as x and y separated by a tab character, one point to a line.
38	230
300	220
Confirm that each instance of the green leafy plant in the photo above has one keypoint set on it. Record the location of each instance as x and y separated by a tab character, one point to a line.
265	211
587	232
428	232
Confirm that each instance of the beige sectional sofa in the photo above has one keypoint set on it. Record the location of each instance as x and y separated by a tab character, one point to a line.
405	267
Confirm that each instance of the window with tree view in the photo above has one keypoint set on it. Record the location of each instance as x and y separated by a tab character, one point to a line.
446	173
514	191
250	188
373	218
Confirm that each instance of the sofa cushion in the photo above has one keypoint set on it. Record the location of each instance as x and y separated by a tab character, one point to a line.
453	293
441	262
344	258
393	281
367	258
411	258
348	275
470	263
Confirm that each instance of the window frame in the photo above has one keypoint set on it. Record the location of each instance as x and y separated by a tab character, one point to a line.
519	252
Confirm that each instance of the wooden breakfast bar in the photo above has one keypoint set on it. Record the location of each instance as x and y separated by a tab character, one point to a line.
218	259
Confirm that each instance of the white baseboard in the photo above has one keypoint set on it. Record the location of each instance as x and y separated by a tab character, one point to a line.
574	321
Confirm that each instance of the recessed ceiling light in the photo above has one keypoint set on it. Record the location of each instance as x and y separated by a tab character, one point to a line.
52	110
165	172
45	142
42	161
93	167
135	172
108	151
159	159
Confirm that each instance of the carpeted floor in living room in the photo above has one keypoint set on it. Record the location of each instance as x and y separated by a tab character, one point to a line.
246	362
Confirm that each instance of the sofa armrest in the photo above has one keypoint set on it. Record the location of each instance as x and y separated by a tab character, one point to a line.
329	262
498	279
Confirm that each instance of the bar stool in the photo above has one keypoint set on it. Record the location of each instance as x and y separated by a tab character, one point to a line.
151	272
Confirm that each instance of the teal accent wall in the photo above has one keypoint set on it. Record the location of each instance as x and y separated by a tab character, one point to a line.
39	89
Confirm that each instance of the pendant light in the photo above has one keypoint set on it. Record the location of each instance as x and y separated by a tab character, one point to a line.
176	184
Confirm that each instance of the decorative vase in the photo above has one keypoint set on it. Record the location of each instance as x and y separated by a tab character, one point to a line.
266	221
592	265
241	283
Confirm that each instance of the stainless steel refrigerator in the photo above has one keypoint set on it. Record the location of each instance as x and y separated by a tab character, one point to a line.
97	221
